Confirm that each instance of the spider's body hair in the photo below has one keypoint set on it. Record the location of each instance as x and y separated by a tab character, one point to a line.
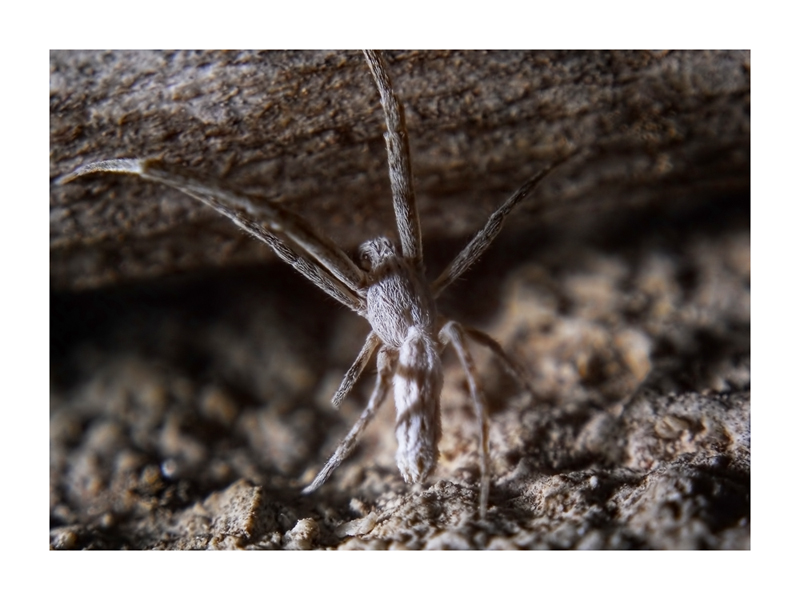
397	296
402	312
417	387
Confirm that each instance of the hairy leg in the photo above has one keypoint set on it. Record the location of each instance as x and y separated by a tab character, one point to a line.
405	204
354	372
343	279
511	365
484	238
453	332
387	360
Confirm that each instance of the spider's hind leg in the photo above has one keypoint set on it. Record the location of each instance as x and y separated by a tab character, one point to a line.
387	360
511	366
454	333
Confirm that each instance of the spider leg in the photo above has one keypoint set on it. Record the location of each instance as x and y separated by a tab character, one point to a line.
354	372
386	364
512	366
483	239
345	280
453	332
405	205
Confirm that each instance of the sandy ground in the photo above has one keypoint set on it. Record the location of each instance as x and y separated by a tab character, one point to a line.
188	413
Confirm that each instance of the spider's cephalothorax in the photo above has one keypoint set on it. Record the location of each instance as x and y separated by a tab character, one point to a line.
389	290
397	295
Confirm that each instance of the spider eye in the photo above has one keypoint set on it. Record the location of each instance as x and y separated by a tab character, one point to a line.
366	261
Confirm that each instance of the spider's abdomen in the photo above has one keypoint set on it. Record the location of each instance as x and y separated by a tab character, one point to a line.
417	387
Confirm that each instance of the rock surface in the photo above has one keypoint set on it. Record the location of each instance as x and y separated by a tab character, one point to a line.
187	411
306	129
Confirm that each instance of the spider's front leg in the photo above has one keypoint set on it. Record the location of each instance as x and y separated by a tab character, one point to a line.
294	240
399	156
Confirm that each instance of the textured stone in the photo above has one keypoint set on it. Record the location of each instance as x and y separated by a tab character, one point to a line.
305	129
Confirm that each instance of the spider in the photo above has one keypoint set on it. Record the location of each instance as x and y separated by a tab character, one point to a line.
388	287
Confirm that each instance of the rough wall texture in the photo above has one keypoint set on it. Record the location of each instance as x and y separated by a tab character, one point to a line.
306	129
187	411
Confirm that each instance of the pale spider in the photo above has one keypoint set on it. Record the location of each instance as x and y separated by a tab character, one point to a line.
389	289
